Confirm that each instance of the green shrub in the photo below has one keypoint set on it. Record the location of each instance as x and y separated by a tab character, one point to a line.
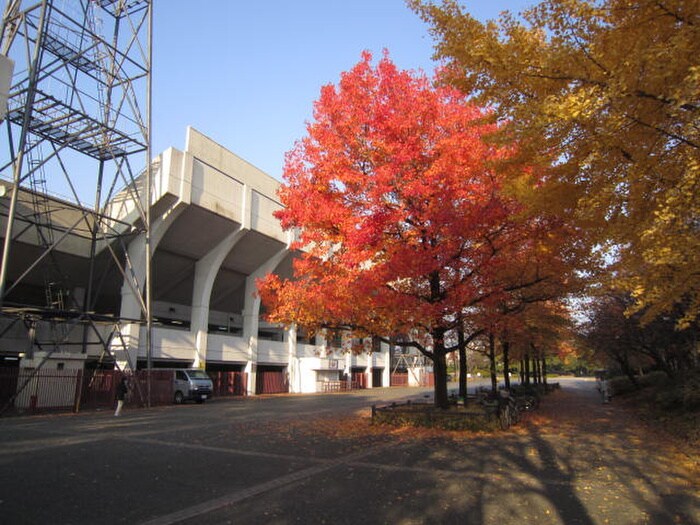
673	401
621	385
682	393
655	378
669	398
530	390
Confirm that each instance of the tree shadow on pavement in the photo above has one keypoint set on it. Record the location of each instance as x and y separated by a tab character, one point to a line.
596	462
577	462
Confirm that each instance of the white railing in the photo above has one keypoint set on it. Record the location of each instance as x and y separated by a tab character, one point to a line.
330	364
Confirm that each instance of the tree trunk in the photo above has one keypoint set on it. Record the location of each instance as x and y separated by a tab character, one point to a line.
534	358
505	346
440	371
522	371
492	362
526	363
439	353
462	364
543	367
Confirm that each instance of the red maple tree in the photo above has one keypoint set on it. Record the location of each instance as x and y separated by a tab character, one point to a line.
402	218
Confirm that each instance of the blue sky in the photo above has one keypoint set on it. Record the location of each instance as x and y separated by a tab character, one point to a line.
246	73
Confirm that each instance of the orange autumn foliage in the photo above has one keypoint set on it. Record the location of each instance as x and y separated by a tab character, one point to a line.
402	214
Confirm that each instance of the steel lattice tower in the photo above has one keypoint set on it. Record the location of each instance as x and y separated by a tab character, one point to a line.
74	169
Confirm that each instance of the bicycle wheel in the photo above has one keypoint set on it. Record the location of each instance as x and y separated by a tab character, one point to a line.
505	418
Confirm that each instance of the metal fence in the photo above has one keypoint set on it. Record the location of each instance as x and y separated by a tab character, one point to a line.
399	379
338	386
28	390
24	390
227	384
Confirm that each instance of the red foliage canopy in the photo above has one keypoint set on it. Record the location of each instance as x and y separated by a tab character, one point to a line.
402	219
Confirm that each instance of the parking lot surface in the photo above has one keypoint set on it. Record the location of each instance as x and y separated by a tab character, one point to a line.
315	459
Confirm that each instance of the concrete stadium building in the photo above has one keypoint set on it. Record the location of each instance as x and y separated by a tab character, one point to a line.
213	234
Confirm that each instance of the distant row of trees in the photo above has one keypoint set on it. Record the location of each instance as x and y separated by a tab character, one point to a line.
630	344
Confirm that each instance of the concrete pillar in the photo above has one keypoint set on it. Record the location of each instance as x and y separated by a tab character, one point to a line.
251	314
205	272
251	372
348	368
125	350
370	368
386	374
293	371
367	346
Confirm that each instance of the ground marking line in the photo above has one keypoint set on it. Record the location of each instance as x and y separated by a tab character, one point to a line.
124	426
240	495
108	423
352	460
272	455
494	477
210	448
54	442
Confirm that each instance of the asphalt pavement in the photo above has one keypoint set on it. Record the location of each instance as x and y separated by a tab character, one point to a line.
315	459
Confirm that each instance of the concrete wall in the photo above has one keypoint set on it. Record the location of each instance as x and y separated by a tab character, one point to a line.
168	343
227	348
217	191
7	66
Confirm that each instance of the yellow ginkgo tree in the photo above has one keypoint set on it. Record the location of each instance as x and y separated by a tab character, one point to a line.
608	93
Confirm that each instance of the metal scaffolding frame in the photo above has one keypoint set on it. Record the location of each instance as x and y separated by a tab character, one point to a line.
75	170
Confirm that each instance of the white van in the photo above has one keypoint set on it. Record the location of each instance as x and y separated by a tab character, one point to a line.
191	384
